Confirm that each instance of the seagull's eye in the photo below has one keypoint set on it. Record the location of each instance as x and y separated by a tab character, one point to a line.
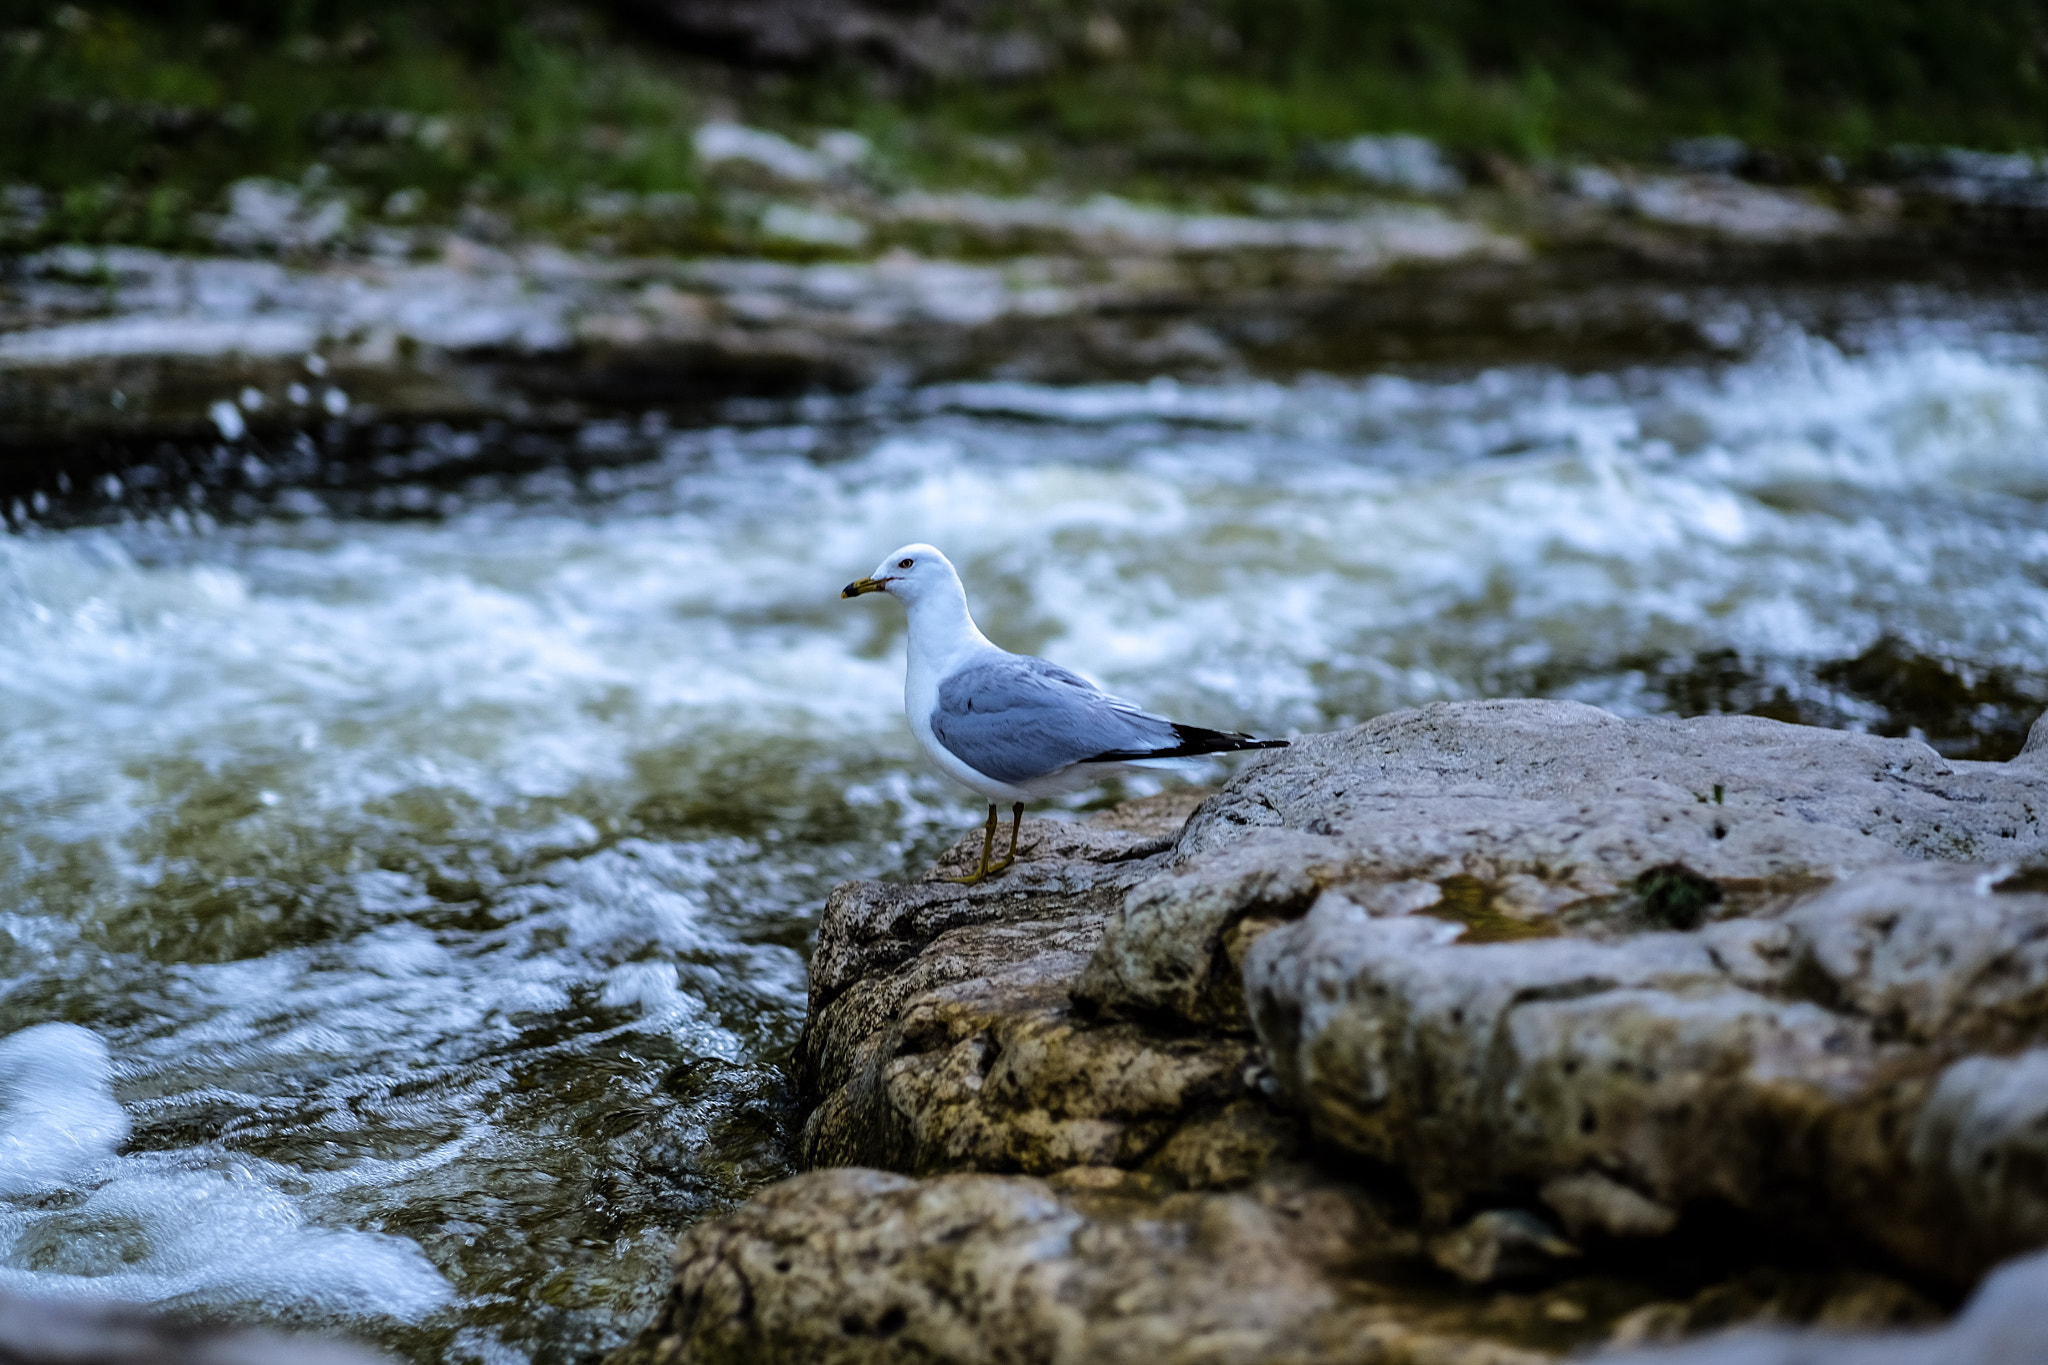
905	563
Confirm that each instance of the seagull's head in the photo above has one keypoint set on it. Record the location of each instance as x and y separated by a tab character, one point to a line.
907	575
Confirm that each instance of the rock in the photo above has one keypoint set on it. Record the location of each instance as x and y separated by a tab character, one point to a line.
2002	1325
1099	1265
1843	1302
1816	1053
949	40
43	1332
1593	1202
1813	1034
1305	1077
942	1036
1175	948
1508	814
853	1265
1584	801
1500	1244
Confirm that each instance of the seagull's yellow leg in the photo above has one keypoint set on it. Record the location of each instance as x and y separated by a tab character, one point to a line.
1016	823
988	846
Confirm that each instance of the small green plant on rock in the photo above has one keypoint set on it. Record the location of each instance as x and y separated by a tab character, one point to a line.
1673	896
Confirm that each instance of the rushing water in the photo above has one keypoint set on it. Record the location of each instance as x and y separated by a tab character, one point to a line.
404	914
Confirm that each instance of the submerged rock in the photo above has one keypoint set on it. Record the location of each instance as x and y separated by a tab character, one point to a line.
43	1332
1487	1031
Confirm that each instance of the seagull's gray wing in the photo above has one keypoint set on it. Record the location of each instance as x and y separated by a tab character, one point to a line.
1014	718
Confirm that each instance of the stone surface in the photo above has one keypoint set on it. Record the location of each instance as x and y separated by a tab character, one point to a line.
1525	817
942	1036
42	1332
854	1265
1175	947
1815	1036
1488	1032
2002	1325
1099	1265
1816	1053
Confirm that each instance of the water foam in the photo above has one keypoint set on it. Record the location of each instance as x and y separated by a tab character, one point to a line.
79	1222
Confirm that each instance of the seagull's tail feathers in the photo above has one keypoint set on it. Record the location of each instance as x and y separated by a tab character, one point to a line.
1190	741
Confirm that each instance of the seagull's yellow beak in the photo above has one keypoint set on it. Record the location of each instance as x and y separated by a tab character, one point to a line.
861	585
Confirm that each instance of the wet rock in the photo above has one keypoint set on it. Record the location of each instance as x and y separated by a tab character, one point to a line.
717	143
1500	1244
269	215
1398	161
1103	288
942	1035
1718	204
2002	1325
953	40
852	1265
41	1332
1363	239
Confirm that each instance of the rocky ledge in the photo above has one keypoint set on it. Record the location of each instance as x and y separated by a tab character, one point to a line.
1488	1032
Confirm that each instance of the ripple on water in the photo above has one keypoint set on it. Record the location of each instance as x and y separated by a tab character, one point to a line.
432	893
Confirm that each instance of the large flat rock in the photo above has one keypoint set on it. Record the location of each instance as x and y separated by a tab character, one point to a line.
1671	956
1485	1032
1547	813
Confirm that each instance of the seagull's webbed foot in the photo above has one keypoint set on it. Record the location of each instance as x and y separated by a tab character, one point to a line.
988	846
1016	824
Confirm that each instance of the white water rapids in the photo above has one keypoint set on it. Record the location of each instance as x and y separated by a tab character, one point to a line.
401	922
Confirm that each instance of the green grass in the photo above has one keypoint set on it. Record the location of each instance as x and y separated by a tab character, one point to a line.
1548	77
133	116
131	121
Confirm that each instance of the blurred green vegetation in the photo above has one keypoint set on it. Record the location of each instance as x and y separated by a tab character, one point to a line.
1847	74
140	116
131	114
1243	82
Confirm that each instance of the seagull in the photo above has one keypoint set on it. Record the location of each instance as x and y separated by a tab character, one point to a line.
1009	726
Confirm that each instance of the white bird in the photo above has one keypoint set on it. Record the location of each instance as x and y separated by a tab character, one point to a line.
1009	726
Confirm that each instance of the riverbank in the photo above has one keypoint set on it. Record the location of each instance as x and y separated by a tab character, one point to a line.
126	368
1488	1032
130	124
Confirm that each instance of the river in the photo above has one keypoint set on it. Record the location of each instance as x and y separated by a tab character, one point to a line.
408	895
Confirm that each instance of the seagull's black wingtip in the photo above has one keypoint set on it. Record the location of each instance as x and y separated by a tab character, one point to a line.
1195	742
